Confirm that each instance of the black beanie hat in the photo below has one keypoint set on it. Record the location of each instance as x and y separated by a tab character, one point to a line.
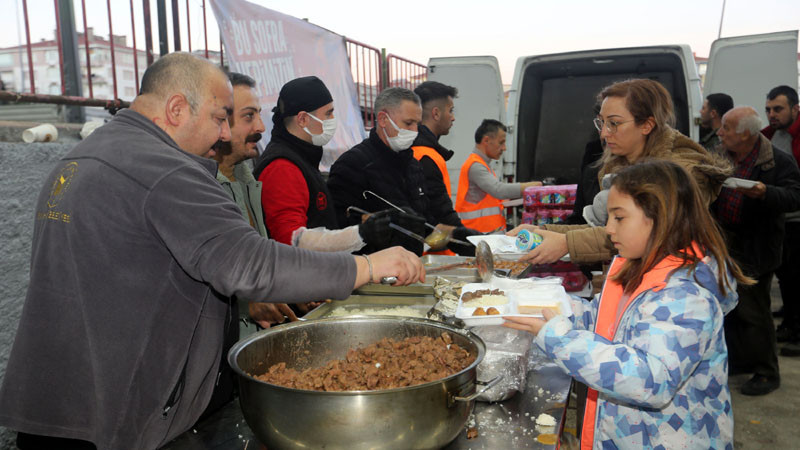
300	94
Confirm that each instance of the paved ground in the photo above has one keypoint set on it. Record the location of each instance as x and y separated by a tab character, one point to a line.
768	422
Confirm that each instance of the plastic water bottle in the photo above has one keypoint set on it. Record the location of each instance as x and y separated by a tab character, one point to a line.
527	240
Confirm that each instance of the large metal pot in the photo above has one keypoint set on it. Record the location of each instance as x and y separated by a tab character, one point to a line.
425	416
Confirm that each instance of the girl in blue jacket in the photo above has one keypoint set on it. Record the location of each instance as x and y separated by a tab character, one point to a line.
652	349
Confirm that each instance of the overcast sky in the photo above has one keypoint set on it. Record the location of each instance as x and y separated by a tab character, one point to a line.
506	29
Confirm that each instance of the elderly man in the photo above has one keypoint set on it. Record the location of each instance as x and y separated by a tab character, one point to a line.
783	113
383	165
136	250
714	107
751	216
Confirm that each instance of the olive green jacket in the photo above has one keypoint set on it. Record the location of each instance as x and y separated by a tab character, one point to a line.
246	193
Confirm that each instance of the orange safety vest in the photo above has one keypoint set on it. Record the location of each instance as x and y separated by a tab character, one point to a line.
608	321
484	216
419	152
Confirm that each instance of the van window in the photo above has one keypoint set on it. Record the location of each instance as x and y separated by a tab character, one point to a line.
556	107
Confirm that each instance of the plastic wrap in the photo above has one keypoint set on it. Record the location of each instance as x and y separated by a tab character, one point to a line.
324	240
507	353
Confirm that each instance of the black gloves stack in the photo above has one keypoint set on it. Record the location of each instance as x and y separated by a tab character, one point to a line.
461	233
375	230
409	220
377	234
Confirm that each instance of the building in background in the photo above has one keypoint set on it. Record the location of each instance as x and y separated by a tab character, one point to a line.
46	67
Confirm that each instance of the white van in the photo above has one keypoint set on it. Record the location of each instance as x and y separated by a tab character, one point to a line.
550	104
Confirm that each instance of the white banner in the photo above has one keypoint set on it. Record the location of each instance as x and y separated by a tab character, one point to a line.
274	48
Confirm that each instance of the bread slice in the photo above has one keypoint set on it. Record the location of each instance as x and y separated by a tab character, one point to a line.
536	306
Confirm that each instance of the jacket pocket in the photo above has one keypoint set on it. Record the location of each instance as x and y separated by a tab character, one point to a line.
176	393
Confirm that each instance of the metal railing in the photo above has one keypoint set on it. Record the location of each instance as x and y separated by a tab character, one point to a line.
366	67
372	69
405	73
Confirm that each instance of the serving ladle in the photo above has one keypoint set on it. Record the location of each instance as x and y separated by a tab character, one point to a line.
437	240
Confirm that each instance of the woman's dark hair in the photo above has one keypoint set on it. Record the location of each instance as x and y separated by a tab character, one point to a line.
682	223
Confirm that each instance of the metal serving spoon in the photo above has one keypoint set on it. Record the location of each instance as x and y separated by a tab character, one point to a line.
437	240
484	260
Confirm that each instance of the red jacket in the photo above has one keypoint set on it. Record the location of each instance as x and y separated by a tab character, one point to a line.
794	132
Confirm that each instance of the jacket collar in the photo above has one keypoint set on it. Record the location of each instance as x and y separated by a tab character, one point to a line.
242	173
793	130
709	137
765	160
383	150
426	138
137	120
656	278
312	154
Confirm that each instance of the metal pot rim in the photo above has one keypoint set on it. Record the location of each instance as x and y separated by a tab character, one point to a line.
239	346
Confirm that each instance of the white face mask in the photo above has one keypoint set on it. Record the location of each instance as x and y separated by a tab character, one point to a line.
404	137
328	130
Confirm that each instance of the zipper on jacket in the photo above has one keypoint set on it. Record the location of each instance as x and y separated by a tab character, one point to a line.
176	393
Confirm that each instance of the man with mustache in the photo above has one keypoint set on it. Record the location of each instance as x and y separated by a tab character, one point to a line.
235	176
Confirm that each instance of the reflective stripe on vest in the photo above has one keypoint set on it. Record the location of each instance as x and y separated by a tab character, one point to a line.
486	215
420	151
609	314
494	210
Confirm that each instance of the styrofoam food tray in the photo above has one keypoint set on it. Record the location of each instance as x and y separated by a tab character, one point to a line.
514	294
733	183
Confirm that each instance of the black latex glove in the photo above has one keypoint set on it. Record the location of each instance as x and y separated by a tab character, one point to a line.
408	220
461	234
375	230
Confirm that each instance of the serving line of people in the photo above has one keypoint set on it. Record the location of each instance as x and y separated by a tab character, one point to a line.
137	253
635	123
145	189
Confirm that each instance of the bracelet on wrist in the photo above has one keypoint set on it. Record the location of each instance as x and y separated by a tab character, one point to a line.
369	264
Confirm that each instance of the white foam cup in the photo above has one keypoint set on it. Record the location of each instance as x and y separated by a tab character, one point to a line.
42	133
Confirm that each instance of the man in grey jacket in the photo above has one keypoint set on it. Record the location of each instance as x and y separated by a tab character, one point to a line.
136	250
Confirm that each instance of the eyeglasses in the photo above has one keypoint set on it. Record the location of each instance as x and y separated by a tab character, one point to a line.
610	125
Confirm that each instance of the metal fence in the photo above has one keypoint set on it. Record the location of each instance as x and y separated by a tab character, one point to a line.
372	69
405	73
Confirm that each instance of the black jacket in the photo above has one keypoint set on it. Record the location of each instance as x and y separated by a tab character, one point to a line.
588	185
306	157
395	176
756	242
440	205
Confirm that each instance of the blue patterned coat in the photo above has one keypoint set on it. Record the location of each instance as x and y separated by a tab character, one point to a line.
663	379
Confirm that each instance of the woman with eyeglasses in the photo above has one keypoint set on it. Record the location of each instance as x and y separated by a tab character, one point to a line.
636	121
